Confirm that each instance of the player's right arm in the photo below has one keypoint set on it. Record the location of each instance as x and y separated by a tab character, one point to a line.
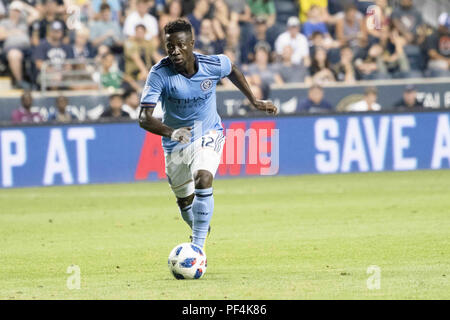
152	91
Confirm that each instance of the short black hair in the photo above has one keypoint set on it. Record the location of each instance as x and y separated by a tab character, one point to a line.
115	95
104	6
128	93
179	25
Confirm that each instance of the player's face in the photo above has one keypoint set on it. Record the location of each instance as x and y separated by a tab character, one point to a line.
179	47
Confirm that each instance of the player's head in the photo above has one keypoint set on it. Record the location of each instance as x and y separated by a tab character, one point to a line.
179	42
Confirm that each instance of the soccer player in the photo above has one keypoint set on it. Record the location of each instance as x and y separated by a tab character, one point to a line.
192	135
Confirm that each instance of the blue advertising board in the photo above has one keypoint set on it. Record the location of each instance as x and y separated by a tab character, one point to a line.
123	152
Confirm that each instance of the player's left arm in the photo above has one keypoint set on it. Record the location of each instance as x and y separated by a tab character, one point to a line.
238	79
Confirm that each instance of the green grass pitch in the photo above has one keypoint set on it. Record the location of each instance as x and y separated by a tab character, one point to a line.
302	237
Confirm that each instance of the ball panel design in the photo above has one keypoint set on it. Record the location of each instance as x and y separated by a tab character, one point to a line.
187	261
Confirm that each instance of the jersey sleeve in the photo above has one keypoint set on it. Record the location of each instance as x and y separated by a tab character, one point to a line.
153	89
225	66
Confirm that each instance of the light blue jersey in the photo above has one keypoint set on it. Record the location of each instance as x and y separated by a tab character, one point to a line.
186	100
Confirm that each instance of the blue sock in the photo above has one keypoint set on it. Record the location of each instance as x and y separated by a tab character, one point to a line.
202	207
187	215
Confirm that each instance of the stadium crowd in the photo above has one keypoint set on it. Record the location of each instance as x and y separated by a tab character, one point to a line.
317	43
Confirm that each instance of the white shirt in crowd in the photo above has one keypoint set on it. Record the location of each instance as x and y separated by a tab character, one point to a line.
362	106
134	19
134	113
299	45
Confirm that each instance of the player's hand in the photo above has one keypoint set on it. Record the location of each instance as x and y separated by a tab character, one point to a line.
181	135
266	106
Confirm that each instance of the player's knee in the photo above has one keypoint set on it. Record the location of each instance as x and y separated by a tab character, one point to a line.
203	179
184	202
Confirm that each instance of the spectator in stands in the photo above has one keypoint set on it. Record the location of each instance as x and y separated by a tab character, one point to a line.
438	48
315	103
233	42
106	31
188	6
261	73
259	34
40	29
131	103
372	66
24	114
207	41
239	11
320	69
292	37
141	16
315	23
288	71
173	11
221	14
369	103
198	14
115	108
378	33
115	7
408	20
336	9
265	8
140	54
318	40
305	6
396	61
350	29
344	69
82	48
16	41
409	102
61	114
54	51
110	76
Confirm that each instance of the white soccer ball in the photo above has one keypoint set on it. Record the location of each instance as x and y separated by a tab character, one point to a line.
187	261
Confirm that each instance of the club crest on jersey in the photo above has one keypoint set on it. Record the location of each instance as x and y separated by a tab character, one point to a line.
206	85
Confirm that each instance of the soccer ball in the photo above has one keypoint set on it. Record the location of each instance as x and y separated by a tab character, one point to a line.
187	261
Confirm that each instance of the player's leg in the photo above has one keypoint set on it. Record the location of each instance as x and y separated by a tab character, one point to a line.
206	159
185	205
202	206
182	184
